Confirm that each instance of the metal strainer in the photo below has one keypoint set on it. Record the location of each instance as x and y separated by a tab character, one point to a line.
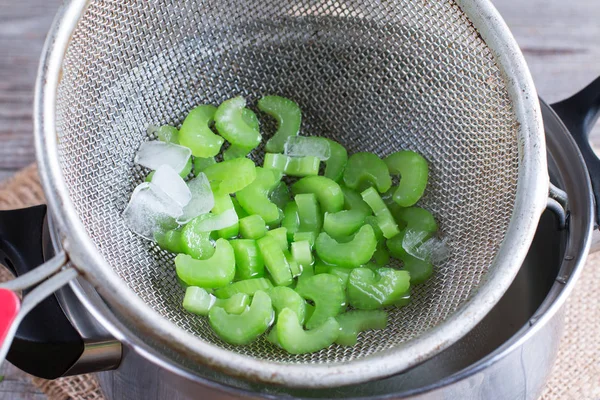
442	77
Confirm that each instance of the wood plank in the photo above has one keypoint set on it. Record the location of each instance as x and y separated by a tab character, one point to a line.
23	27
16	385
560	41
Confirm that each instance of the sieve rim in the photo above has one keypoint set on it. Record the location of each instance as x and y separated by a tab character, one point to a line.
531	196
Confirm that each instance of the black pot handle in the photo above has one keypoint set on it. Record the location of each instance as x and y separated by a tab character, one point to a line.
46	344
579	113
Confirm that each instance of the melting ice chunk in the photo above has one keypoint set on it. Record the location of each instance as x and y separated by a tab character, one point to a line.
169	181
150	210
202	200
417	245
300	146
153	154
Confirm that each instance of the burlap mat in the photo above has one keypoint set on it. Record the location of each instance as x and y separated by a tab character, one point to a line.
576	374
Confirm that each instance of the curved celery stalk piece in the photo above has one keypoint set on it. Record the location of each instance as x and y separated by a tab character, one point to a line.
385	220
292	166
343	223
254	198
238	208
341	272
170	240
309	213
248	286
280	235
231	176
248	261
329	194
369	290
236	151
215	272
252	227
413	171
245	327
196	134
355	321
302	252
351	254
196	242
367	169
327	293
311	237
168	134
275	260
291	220
296	340
288	116
284	297
230	124
417	219
199	301
354	201
334	167
200	164
419	270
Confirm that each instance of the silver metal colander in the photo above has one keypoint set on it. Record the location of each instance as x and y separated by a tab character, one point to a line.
439	77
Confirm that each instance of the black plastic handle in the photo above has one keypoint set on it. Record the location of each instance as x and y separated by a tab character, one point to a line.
46	344
579	113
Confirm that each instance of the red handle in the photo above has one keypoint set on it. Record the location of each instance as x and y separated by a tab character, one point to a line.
9	308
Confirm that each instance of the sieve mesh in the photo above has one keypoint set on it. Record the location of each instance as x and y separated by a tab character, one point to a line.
375	75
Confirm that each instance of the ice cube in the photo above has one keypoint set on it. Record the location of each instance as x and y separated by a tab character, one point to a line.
202	200
153	154
417	245
300	146
151	211
169	181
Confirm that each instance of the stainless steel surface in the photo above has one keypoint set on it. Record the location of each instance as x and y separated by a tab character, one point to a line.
508	355
440	77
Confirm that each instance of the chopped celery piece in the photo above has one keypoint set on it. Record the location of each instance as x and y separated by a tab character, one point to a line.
329	194
215	272
309	213
248	286
355	321
365	170
343	223
253	227
385	220
248	261
196	134
413	171
275	261
230	124
295	340
288	116
327	293
351	254
243	328
311	237
284	297
280	235
292	166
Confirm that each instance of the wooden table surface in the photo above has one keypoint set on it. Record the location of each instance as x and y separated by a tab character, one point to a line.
560	40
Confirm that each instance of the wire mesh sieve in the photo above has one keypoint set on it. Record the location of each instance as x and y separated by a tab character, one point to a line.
376	76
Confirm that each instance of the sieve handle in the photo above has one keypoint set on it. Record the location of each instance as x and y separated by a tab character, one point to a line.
579	113
45	343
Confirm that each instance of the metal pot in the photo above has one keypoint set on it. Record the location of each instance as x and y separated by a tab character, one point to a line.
509	354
